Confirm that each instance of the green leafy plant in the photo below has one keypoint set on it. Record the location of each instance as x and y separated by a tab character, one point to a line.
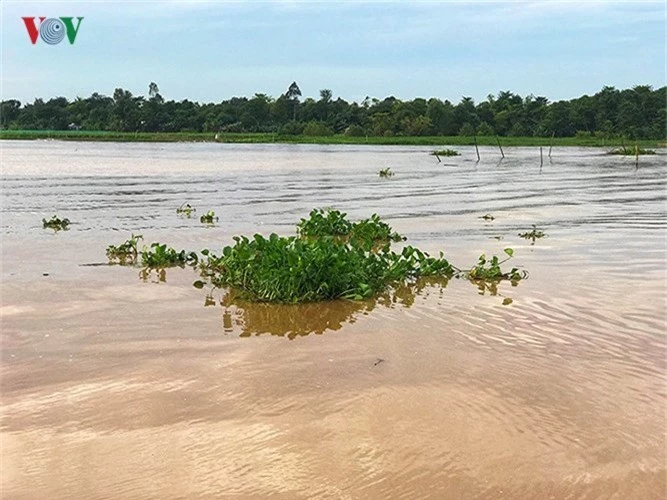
386	172
125	253
630	151
533	234
291	269
159	256
329	222
56	223
371	231
489	270
186	209
445	152
325	222
208	218
333	258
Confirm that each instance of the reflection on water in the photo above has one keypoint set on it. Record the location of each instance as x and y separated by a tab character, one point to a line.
292	321
116	389
153	275
248	319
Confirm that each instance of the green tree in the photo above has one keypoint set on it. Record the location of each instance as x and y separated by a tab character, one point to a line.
293	93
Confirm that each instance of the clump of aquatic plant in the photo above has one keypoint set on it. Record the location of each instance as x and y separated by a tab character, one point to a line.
186	209
489	270
445	152
125	253
291	269
372	231
332	258
487	217
208	218
323	222
56	223
160	255
630	151
386	172
532	234
329	222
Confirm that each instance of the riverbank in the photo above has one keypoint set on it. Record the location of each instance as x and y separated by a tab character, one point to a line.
264	138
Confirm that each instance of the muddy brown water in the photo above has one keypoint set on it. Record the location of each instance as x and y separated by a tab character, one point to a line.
115	387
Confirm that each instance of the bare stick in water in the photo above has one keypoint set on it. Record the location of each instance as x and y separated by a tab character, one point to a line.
476	148
501	148
551	143
541	159
636	156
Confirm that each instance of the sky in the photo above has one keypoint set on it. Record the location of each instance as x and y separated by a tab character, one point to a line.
211	51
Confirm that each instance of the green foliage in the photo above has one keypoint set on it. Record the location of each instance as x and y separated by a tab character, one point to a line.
292	128
386	172
355	131
489	270
485	129
636	113
325	222
467	130
56	223
208	218
125	253
445	152
366	233
319	129
631	151
185	209
332	258
369	232
291	269
532	234
161	256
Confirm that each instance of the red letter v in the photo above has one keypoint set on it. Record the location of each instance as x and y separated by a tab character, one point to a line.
32	29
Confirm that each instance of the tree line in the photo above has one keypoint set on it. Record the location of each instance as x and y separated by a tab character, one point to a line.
636	113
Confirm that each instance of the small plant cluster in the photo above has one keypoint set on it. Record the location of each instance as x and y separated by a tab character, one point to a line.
489	270
325	222
366	233
386	172
208	218
156	256
445	152
630	151
125	253
369	232
159	256
326	261
56	223
532	234
186	209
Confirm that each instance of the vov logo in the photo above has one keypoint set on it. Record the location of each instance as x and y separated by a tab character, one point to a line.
53	29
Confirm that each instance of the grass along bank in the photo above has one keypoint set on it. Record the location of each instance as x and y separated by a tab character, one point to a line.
265	138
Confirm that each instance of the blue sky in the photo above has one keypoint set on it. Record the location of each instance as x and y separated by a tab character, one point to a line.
210	51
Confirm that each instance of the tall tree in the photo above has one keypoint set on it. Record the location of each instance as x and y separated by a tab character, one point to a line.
293	93
153	89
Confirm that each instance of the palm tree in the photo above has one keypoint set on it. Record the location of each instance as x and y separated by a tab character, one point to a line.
153	89
293	93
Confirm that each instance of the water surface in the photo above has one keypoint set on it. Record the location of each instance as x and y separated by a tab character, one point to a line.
115	387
